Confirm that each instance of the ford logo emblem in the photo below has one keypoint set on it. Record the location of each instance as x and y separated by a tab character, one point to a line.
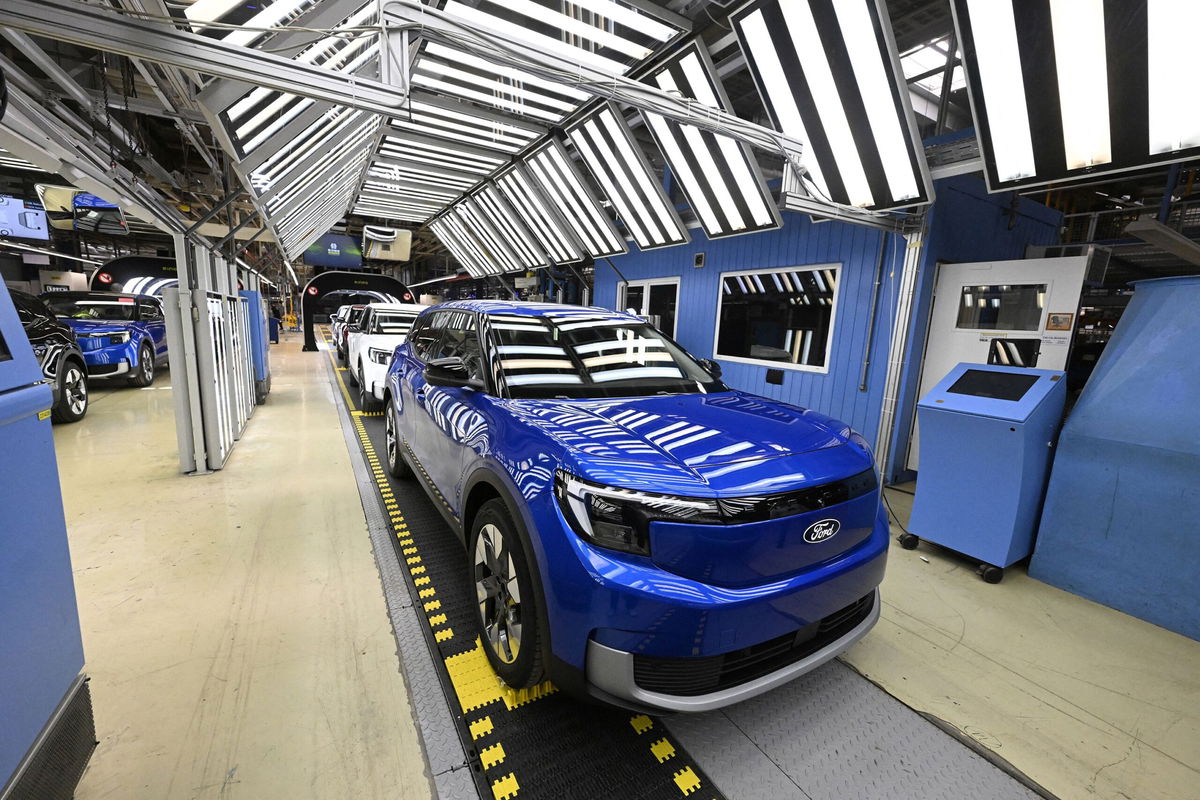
820	531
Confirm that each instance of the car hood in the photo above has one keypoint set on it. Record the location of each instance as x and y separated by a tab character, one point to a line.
83	326
723	443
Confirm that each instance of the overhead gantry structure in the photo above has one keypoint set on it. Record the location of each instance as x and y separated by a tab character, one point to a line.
506	126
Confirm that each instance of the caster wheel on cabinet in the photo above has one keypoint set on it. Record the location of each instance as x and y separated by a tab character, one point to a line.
990	574
909	541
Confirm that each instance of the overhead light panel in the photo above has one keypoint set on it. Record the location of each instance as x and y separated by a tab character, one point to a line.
543	218
718	175
1071	88
830	77
550	168
491	203
620	168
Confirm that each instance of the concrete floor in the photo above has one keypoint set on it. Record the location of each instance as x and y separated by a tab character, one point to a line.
234	625
1087	701
239	645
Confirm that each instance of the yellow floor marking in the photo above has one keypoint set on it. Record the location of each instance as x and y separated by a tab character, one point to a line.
432	605
687	780
427	593
491	756
662	750
408	551
417	570
478	685
481	727
641	723
413	560
437	619
443	634
505	788
424	579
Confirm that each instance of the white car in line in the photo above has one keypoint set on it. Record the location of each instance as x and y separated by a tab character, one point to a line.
370	345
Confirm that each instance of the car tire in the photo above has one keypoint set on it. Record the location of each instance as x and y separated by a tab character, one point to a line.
505	601
366	400
350	376
397	466
72	393
143	373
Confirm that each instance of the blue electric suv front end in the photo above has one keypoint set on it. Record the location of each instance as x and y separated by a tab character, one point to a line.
119	334
636	530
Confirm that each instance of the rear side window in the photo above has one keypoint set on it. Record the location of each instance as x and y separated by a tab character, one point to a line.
425	335
150	311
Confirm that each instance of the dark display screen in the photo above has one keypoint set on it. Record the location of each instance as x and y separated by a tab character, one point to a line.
996	385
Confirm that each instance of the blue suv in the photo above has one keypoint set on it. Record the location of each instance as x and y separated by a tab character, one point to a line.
119	334
636	530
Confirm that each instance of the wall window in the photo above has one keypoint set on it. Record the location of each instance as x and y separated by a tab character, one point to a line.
779	317
655	300
1011	307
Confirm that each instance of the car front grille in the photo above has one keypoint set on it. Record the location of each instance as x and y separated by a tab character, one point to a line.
695	676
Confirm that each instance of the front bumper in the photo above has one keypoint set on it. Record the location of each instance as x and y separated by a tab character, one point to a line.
110	360
610	609
613	673
373	378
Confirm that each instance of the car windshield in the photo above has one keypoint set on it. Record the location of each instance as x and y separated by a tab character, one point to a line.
354	315
591	356
393	322
118	309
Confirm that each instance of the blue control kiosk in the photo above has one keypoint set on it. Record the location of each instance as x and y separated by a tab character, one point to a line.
987	437
46	729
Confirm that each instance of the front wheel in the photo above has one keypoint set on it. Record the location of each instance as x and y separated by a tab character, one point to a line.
72	394
143	373
508	614
397	466
366	398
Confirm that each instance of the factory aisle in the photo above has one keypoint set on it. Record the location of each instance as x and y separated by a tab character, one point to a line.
234	625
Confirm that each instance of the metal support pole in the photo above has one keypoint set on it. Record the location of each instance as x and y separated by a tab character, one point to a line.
226	201
246	245
1164	208
947	79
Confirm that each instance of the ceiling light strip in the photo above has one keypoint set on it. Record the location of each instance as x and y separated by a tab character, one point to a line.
551	169
719	176
829	77
492	204
610	153
545	224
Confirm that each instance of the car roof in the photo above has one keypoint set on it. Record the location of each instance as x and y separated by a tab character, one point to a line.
417	307
529	309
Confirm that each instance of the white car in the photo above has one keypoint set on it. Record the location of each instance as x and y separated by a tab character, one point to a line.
348	319
370	345
336	319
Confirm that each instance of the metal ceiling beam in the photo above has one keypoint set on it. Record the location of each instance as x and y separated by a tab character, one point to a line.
101	29
1150	230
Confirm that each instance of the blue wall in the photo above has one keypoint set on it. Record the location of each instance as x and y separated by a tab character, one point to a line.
966	224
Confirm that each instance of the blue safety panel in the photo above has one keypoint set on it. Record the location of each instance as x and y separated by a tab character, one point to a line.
984	459
1122	518
39	624
258	334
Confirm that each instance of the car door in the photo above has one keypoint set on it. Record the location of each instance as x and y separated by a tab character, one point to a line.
151	315
354	354
412	387
448	415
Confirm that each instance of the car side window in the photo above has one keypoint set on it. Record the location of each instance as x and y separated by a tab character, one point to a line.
426	335
149	311
461	340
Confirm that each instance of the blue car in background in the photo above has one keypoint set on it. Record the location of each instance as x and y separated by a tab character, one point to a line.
636	530
119	334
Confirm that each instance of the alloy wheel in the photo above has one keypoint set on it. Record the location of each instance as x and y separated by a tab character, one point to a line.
75	390
498	594
147	368
389	428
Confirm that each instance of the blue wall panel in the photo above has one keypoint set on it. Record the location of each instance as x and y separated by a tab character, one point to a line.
966	224
799	243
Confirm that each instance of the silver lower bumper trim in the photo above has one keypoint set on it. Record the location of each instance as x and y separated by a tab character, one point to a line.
611	671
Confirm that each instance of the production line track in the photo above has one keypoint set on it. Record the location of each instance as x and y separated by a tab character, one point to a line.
831	735
522	745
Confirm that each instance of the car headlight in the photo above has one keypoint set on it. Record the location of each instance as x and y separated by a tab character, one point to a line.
379	356
619	519
118	338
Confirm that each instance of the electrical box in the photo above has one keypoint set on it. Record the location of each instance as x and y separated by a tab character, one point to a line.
988	434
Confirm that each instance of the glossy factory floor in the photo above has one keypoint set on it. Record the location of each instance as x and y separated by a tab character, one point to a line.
240	647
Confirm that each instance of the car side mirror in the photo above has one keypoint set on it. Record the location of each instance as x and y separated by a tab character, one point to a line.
450	372
711	367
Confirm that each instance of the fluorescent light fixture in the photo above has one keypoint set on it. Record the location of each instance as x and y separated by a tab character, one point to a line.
550	168
544	222
830	78
610	153
509	226
1174	122
718	176
1082	80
